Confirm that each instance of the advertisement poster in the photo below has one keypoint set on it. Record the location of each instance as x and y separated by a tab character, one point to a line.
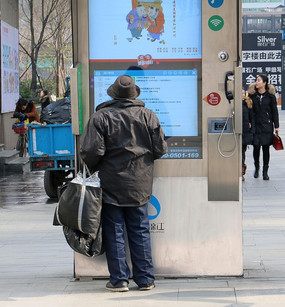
127	29
262	54
158	43
9	67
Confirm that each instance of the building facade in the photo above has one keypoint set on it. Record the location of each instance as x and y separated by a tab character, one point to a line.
259	5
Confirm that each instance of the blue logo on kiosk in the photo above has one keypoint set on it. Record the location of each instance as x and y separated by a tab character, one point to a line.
155	203
216	3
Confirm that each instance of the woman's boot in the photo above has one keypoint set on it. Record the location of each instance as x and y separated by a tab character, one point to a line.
243	171
265	172
256	173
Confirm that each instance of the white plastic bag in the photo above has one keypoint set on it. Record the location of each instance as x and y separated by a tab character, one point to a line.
93	180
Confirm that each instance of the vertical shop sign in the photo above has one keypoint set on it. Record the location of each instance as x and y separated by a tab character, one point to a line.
262	54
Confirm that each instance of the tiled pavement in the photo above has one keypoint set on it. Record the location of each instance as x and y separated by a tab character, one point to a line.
36	264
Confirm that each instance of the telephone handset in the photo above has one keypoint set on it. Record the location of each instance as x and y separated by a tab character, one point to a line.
229	80
229	92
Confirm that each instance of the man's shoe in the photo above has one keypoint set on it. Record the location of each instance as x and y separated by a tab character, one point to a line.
120	286
144	287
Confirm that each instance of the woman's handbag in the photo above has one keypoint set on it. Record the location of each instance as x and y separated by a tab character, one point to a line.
79	212
277	142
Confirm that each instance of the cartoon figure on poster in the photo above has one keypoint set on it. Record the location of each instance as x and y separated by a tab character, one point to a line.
156	23
137	20
146	15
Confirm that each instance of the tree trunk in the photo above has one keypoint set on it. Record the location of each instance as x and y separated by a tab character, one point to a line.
34	75
57	74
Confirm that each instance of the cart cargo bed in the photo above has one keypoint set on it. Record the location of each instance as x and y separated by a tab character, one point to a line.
51	147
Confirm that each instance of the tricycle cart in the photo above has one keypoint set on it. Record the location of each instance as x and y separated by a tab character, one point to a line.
51	148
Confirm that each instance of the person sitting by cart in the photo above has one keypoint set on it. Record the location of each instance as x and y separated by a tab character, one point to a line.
44	101
26	110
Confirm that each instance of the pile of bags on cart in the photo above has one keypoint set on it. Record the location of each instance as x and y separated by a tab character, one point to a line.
57	112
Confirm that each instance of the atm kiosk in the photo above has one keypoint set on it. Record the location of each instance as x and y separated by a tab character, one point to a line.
185	57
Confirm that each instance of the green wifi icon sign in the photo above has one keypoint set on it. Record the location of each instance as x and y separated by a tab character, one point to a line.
216	23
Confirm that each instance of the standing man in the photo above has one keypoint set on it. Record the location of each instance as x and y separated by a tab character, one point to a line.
121	140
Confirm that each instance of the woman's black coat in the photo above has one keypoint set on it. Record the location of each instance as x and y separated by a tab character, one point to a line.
266	115
45	101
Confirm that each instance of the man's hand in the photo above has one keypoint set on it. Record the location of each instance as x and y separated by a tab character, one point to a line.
17	114
23	117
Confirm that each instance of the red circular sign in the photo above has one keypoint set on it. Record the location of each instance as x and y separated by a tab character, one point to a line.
145	60
213	99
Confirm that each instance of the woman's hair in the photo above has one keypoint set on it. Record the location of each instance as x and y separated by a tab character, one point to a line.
45	92
264	79
22	102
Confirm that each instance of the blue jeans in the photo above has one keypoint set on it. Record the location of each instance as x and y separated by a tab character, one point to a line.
137	225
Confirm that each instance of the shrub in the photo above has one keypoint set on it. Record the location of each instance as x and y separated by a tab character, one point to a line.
27	93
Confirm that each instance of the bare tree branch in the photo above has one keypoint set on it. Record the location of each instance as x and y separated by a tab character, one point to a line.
45	24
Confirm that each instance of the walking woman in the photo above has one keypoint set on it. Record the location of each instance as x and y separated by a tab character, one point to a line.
266	120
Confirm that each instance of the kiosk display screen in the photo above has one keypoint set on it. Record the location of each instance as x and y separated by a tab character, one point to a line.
158	43
177	114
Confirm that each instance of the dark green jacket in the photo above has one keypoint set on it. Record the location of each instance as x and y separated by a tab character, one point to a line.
121	140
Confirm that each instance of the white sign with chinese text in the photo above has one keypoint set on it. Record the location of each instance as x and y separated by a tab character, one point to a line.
9	67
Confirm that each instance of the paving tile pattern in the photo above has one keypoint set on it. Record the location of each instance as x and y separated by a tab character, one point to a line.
36	265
